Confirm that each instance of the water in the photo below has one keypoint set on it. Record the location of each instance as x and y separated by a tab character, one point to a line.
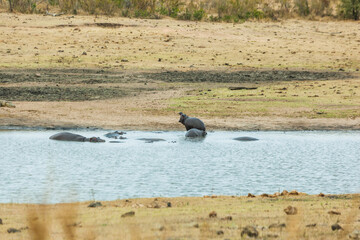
38	170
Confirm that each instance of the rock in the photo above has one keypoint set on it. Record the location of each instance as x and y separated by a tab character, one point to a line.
245	139
294	193
250	231
196	225
227	218
311	225
251	195
169	204
220	232
334	212
128	214
277	225
95	204
284	193
336	226
1	222
124	60
4	103
162	228
84	53
271	236
213	214
290	210
13	230
355	235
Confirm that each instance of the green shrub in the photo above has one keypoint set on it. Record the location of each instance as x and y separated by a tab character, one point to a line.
23	6
186	15
199	14
349	9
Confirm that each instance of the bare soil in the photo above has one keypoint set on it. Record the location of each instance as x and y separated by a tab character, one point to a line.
86	71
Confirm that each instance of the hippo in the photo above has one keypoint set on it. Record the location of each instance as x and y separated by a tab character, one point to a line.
195	133
191	122
115	135
66	136
151	140
245	139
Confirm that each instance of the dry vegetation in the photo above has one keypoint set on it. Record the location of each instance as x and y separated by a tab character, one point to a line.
215	217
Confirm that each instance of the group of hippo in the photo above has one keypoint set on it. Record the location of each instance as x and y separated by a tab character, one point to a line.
195	129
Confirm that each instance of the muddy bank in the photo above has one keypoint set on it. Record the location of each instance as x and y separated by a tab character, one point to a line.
92	84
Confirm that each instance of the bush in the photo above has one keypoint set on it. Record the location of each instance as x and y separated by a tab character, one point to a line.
320	7
350	9
302	7
199	14
23	6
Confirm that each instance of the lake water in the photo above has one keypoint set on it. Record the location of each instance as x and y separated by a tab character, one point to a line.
38	170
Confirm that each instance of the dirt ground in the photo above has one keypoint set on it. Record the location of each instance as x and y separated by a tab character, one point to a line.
119	73
208	217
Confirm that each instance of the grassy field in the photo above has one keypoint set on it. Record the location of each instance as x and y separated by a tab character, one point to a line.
188	218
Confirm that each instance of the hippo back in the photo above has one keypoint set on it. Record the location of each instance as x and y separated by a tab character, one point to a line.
66	136
195	133
192	122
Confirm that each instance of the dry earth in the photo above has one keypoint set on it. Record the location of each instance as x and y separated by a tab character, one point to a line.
86	71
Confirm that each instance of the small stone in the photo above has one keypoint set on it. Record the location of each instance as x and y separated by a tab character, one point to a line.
220	232
311	225
128	214
84	53
290	210
95	204
1	222
336	226
124	60
162	228
213	214
13	230
196	225
341	70
250	231
37	75
334	212
277	225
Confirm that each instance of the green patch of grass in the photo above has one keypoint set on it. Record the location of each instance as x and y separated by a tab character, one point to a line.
311	99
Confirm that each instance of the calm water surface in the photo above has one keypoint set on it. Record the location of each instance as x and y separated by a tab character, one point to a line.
36	169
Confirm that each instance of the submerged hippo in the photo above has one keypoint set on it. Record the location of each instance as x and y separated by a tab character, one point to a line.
246	139
195	133
66	136
116	135
191	122
151	140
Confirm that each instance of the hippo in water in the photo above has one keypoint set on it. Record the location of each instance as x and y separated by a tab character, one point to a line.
195	133
191	122
246	139
116	135
66	136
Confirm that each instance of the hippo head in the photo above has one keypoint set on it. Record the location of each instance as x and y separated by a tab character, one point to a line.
96	139
183	117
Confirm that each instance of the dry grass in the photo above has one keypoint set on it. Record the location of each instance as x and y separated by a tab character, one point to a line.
188	218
